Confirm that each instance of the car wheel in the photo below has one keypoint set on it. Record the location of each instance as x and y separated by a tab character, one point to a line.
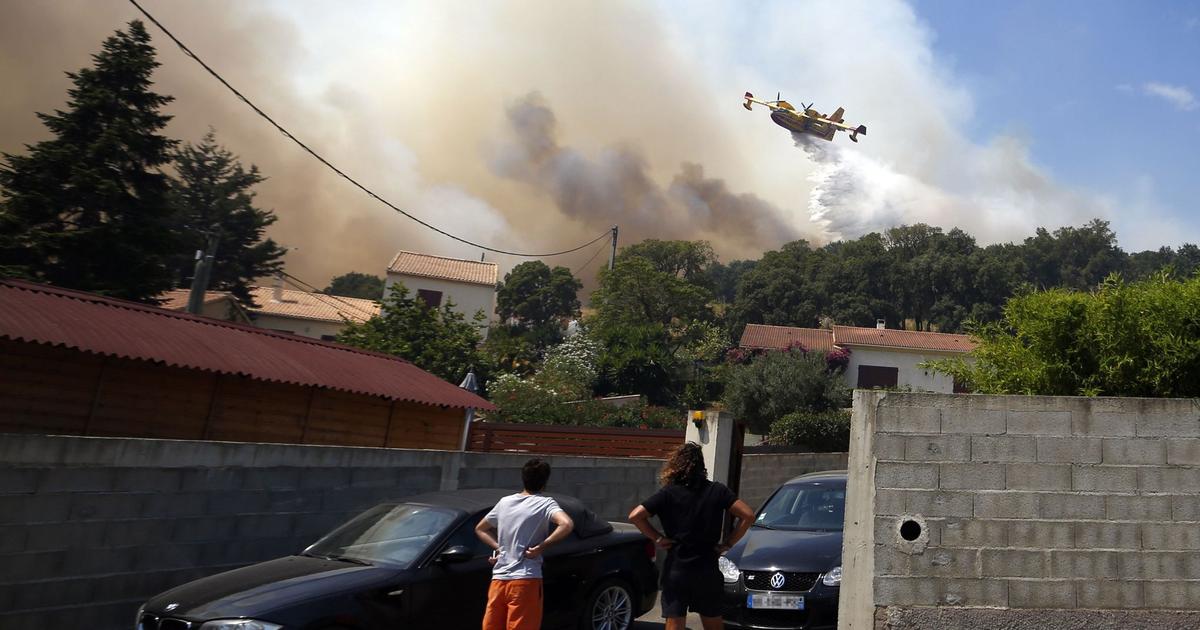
610	607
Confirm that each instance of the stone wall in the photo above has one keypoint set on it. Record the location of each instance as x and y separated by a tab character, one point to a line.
1022	512
91	527
762	473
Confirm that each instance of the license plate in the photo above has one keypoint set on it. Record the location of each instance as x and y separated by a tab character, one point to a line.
774	601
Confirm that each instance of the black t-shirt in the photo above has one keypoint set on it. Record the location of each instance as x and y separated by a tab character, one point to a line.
692	516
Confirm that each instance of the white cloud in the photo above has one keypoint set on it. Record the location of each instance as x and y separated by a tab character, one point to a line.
1177	95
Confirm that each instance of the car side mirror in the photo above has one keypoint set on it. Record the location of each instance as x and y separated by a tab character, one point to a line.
455	554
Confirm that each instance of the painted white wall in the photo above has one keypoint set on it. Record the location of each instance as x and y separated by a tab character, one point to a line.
907	362
468	298
302	327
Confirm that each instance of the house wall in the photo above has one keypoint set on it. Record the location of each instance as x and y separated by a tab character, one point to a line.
58	390
304	327
92	527
1021	512
907	361
468	298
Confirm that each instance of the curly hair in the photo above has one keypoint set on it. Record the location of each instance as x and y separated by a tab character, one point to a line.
684	466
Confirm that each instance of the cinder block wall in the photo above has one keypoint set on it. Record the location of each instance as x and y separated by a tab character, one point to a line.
968	511
91	527
763	473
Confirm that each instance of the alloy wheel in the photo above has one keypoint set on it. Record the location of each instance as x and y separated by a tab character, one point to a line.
612	610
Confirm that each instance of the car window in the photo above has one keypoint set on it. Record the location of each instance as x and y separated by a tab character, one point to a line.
465	536
805	506
393	535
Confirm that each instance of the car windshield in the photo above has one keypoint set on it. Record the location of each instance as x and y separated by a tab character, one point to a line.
391	535
812	506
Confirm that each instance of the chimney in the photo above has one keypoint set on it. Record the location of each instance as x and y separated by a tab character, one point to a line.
880	324
277	294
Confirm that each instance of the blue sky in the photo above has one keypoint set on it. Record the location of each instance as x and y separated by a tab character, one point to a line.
1078	80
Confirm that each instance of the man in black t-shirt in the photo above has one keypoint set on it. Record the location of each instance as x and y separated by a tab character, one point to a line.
692	512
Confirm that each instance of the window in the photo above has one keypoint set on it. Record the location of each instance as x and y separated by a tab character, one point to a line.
432	299
871	376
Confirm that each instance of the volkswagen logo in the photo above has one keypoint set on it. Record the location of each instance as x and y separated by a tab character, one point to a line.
777	581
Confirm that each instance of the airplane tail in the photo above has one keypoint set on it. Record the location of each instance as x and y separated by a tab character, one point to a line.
748	101
862	129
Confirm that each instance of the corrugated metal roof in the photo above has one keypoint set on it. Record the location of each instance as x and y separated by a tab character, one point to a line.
316	306
49	315
910	339
443	268
779	337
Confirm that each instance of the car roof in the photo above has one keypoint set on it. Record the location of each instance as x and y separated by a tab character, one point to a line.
587	524
827	475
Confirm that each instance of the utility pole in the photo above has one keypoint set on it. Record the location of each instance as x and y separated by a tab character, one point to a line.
204	263
612	258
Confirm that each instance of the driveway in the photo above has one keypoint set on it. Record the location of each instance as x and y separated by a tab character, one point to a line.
653	621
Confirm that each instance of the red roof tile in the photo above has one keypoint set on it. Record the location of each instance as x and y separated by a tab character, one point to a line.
177	299
318	306
908	339
443	268
779	337
90	323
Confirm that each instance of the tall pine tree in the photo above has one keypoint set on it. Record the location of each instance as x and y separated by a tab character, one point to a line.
88	209
212	198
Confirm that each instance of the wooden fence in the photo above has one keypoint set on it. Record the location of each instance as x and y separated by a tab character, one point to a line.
487	437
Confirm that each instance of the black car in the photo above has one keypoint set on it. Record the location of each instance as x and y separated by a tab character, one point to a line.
787	571
417	563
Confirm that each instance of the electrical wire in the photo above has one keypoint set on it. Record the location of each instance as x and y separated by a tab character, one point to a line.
187	51
580	270
323	297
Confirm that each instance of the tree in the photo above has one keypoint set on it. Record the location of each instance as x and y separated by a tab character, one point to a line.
689	260
724	279
212	198
1139	339
437	340
539	300
780	289
88	208
1074	257
356	285
782	382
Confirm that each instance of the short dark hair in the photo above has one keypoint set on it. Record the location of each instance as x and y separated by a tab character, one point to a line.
534	475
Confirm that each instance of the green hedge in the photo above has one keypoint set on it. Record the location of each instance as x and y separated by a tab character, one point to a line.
822	431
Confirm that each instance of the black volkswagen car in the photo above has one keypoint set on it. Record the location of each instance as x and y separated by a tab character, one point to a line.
787	571
417	563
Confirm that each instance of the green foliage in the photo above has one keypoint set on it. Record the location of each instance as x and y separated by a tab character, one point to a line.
438	340
1139	339
691	261
212	193
821	431
356	285
533	294
507	350
88	208
778	383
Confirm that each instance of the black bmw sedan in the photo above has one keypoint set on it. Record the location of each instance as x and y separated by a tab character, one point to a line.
417	564
787	571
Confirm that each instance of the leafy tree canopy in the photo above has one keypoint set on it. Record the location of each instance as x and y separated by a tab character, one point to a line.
783	382
356	285
690	260
533	294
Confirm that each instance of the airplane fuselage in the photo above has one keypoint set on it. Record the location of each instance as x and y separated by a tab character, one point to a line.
800	124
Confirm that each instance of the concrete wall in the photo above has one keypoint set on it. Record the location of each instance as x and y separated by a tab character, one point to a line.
907	363
1023	512
468	298
91	527
763	473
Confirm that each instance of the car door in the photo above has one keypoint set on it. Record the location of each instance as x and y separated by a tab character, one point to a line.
568	575
452	595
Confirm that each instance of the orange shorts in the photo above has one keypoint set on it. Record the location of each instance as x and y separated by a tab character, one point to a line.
514	605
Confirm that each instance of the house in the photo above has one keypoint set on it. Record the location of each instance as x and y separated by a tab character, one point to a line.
76	363
470	285
313	315
217	304
879	357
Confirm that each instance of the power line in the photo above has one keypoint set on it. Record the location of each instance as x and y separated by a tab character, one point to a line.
335	169
579	272
321	297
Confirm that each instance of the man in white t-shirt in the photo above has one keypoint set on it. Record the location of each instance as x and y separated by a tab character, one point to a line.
517	529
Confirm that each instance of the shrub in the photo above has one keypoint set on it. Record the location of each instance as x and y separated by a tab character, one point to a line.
778	383
823	431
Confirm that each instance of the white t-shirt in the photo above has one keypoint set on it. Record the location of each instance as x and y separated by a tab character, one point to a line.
521	521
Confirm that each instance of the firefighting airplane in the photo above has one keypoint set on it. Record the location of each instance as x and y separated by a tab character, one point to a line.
808	121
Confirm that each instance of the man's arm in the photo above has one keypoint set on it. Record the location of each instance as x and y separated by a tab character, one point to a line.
745	517
563	527
640	517
487	533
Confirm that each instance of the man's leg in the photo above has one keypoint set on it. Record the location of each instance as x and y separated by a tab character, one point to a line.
676	623
525	605
712	623
495	616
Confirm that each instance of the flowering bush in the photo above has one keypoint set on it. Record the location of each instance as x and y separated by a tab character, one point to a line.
823	432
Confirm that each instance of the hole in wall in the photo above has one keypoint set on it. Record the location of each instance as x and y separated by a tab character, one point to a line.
910	530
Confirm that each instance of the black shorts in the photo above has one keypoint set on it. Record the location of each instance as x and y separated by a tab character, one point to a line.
690	589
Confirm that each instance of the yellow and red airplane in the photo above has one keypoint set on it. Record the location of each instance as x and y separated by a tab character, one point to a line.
808	120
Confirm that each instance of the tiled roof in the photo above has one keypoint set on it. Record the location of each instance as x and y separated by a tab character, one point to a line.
779	337
442	268
911	339
315	306
177	299
37	313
